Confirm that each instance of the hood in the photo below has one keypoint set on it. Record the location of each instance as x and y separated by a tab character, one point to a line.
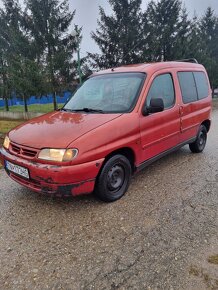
57	129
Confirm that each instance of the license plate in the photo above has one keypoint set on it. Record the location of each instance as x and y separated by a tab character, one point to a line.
19	170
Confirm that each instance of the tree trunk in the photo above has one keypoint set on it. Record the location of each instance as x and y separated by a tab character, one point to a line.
52	78
54	101
6	104
5	89
25	104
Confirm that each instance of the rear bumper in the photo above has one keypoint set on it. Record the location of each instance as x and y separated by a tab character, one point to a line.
70	180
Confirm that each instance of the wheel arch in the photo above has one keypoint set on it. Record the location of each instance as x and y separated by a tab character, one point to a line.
207	124
125	151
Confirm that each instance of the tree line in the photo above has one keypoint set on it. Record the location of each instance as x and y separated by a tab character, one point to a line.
36	46
162	32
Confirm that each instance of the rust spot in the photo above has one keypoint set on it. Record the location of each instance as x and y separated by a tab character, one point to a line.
73	189
65	190
47	180
47	190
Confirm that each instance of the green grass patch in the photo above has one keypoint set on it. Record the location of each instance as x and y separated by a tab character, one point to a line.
36	108
6	125
194	271
213	259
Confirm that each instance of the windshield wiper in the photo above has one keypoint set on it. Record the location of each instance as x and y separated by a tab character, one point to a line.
89	110
65	110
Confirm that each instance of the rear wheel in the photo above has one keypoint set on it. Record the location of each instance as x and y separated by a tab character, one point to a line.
113	181
200	143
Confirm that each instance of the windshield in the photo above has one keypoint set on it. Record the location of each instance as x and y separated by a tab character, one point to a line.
109	93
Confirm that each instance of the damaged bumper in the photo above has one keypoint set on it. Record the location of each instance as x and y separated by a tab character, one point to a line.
71	180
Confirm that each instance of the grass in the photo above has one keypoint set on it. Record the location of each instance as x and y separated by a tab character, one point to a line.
210	282
194	271
5	126
213	259
36	108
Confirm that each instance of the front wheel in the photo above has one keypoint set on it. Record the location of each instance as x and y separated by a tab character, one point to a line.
200	143
114	178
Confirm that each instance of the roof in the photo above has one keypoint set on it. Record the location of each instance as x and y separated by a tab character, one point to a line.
149	67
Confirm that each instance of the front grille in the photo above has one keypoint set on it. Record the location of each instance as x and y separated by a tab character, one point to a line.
29	153
22	151
15	149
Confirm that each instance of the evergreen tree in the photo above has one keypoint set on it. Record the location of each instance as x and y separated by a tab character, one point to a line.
181	46
9	42
195	46
209	41
118	36
4	45
21	74
164	24
48	22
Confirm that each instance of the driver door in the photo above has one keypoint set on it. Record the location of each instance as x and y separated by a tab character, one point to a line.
160	131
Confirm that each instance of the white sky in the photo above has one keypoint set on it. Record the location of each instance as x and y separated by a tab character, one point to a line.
87	14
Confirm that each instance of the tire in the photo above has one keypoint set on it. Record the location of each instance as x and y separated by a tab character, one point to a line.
114	178
200	143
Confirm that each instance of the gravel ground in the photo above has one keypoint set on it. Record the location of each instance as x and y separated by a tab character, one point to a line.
159	236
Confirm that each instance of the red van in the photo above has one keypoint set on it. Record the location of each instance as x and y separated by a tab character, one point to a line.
119	121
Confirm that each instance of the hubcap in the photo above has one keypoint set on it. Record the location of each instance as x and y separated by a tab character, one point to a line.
202	139
115	178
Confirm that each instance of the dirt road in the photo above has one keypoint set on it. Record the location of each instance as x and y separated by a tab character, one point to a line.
162	235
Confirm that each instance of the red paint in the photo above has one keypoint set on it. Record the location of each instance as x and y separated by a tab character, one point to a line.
98	135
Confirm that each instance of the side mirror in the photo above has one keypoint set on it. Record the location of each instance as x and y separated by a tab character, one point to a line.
156	105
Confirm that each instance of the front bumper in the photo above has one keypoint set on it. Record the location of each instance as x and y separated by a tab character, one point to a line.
58	180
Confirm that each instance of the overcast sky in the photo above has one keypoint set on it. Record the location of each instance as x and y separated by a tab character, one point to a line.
87	14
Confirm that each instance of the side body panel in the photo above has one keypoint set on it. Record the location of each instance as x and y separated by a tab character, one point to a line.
192	114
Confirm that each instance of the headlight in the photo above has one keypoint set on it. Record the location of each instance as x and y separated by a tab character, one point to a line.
60	155
6	143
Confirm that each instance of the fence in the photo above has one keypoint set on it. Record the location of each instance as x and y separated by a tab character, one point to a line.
15	101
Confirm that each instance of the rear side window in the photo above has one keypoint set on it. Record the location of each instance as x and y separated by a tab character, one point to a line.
162	87
202	84
194	86
188	87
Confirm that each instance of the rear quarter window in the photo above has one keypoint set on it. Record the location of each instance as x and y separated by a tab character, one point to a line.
202	85
194	86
